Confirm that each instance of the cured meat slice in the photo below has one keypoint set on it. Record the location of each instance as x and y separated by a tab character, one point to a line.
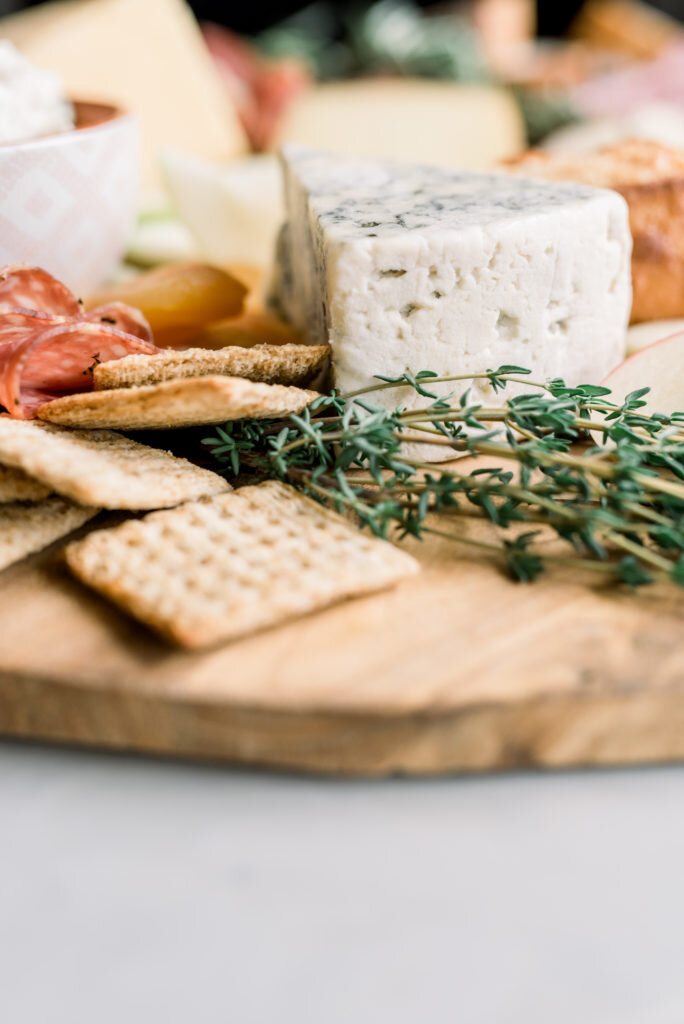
32	288
47	362
31	401
124	318
48	345
26	321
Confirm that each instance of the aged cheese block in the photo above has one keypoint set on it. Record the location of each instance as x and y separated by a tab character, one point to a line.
469	126
144	55
403	266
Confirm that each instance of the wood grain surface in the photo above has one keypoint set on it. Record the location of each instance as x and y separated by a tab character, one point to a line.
456	670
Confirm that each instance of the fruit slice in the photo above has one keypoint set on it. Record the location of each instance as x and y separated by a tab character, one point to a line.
641	335
234	210
178	299
251	328
659	367
161	238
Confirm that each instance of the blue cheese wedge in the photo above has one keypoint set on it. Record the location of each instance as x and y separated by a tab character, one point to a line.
403	266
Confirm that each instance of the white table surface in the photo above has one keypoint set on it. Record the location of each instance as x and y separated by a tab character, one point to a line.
139	890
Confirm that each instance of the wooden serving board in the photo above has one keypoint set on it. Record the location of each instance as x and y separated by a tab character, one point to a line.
456	670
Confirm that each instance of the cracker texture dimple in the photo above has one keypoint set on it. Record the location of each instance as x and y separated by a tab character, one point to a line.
103	469
222	568
184	402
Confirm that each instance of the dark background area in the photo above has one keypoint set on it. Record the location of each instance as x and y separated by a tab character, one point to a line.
554	16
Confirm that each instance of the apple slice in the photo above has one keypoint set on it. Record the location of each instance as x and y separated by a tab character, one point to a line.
660	367
641	335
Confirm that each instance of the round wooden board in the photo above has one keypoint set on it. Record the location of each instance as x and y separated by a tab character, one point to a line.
456	670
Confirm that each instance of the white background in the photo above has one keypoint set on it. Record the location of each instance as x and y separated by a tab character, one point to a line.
138	890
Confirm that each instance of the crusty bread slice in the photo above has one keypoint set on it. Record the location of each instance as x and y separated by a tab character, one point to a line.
219	569
268	364
650	176
187	402
633	162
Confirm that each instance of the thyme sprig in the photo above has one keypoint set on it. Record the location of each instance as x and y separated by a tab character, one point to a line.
607	479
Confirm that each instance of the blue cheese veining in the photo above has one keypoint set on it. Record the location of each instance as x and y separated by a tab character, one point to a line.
409	267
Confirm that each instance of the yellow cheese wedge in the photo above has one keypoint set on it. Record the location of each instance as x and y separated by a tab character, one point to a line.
419	120
145	55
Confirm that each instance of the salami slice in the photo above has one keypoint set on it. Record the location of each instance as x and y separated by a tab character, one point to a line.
124	318
48	345
33	288
27	320
58	360
31	401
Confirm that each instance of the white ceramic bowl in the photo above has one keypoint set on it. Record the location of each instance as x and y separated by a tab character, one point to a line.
68	202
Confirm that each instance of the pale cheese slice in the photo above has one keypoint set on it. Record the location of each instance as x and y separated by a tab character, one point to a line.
431	122
233	210
146	56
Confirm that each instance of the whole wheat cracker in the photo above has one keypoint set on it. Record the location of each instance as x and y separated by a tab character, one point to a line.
102	468
221	568
27	528
15	485
188	402
269	364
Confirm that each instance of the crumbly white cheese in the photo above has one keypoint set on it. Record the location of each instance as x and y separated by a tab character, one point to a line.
407	267
32	100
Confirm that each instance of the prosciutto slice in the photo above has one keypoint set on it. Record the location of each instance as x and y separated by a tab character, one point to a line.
49	346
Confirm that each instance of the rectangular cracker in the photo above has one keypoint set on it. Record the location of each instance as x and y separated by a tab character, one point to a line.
219	569
27	528
103	469
188	402
268	364
15	485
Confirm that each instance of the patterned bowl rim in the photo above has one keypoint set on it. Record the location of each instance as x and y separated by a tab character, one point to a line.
90	117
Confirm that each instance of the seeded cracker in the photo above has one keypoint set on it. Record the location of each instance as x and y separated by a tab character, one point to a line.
17	486
25	529
103	469
188	402
269	364
219	569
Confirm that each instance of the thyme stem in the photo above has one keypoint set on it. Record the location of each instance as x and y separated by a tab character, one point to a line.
618	504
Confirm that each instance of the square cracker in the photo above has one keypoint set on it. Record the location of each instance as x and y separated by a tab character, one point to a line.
25	529
218	569
188	402
17	486
103	469
269	364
